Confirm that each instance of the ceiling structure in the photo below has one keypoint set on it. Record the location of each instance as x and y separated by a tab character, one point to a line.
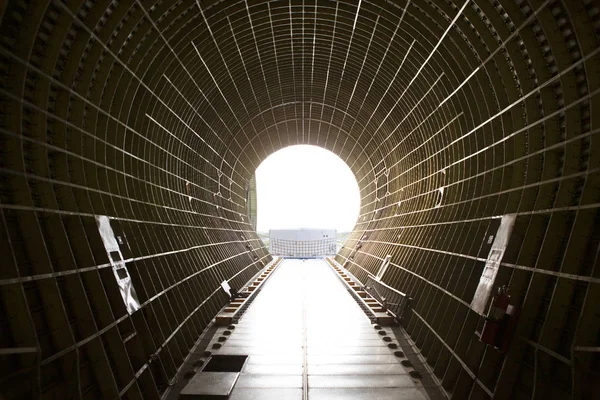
152	116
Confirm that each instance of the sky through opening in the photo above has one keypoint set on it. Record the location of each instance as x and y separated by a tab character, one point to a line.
306	187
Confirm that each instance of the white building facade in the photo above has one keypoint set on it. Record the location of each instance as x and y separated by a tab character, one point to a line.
302	243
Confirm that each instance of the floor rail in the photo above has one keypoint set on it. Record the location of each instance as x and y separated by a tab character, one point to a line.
392	300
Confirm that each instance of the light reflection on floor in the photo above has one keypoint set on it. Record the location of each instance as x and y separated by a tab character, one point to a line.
305	331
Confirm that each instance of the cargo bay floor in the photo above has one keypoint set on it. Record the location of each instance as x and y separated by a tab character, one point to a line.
305	337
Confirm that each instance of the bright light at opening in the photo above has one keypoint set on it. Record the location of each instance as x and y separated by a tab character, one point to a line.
306	187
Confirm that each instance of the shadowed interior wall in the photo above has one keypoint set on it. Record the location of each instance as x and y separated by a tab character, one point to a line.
156	114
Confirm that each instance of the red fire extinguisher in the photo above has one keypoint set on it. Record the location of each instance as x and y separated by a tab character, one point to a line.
500	321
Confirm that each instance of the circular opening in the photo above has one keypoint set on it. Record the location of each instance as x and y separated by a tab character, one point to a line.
306	187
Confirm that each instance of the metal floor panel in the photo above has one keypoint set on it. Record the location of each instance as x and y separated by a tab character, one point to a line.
306	337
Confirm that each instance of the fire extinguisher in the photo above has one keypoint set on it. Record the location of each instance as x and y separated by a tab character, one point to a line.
500	321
